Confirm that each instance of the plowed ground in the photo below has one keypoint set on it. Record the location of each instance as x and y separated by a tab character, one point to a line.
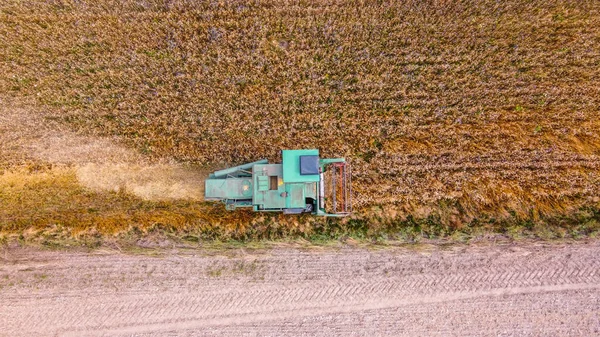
503	290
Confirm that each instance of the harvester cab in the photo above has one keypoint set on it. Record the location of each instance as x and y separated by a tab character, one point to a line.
302	183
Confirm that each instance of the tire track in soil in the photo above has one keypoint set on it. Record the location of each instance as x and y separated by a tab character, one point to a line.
182	292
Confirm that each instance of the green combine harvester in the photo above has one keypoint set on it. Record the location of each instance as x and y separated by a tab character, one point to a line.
302	183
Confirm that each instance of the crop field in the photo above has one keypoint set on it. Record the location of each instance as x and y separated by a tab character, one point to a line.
456	116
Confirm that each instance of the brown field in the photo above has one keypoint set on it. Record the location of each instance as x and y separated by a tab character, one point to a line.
497	290
456	116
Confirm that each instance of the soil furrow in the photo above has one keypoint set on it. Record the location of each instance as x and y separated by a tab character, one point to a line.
42	300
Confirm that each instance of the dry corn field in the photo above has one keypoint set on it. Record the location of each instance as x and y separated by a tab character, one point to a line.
464	121
454	114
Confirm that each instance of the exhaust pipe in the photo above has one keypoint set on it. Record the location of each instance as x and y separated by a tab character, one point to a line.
321	191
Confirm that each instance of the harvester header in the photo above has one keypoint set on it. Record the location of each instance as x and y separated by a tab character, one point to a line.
302	183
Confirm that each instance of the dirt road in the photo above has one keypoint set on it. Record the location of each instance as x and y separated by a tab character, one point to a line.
498	290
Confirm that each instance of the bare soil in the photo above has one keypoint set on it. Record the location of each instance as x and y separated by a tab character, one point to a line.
493	290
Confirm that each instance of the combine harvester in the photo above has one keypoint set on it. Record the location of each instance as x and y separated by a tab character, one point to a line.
297	185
